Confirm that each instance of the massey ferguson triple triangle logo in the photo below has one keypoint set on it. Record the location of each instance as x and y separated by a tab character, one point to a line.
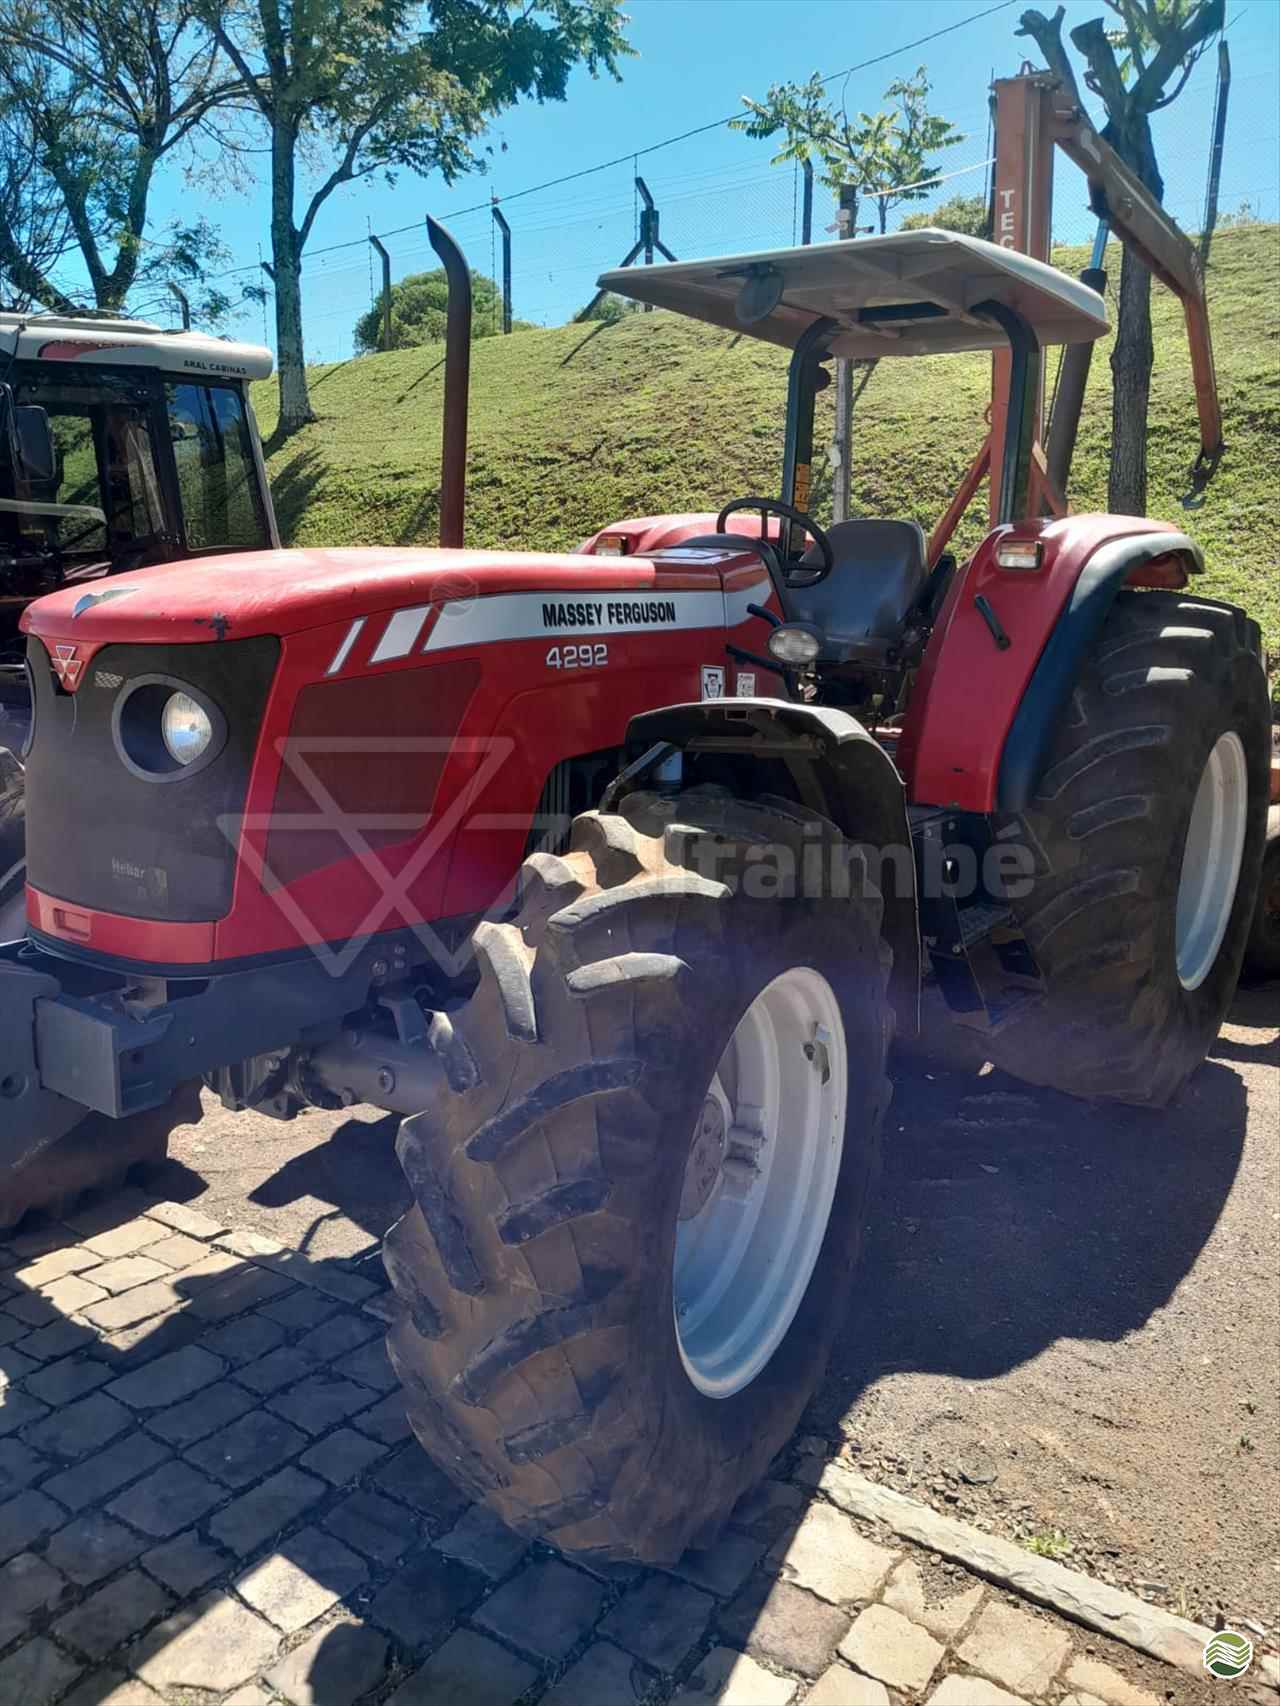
67	666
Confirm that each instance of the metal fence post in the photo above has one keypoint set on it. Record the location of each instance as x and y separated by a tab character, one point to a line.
386	292
806	202
501	223
183	304
1215	157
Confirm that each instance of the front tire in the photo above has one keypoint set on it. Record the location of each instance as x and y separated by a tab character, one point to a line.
603	1108
1147	832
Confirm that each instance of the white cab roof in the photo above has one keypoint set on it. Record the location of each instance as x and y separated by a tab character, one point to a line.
128	343
848	281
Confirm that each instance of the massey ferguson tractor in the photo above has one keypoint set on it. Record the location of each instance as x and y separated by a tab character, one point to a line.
615	871
122	444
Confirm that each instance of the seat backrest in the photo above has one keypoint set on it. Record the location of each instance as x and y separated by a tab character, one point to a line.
880	571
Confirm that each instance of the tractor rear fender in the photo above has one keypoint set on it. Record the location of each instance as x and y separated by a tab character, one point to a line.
823	759
641	534
1007	649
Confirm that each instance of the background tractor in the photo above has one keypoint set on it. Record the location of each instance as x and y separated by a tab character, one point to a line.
612	872
122	444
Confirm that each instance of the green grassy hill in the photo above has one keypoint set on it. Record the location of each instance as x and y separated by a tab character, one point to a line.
579	425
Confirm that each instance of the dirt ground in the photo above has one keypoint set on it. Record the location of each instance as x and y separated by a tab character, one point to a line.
1068	1329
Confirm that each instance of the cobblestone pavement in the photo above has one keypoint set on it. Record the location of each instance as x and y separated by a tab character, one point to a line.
208	1493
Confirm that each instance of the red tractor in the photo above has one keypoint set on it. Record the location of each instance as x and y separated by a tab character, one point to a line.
612	871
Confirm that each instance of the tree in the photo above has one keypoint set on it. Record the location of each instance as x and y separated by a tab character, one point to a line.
353	88
611	308
882	156
1130	69
97	94
419	305
968	214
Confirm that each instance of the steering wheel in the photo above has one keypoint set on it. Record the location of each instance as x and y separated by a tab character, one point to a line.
776	506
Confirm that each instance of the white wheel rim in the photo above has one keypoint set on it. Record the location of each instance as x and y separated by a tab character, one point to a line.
759	1183
1211	859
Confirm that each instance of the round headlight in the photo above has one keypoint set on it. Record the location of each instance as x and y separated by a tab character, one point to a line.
794	643
185	728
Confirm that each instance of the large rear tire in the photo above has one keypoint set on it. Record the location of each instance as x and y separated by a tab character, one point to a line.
1147	832
611	1108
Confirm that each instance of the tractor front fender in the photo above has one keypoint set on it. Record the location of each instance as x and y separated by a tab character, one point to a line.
823	759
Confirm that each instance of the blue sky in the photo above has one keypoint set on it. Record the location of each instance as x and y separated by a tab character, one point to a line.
718	192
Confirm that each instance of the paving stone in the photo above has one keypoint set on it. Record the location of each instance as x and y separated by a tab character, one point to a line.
169	1379
424	1598
1021	1652
376	1527
248	1448
483	1541
15	1366
386	1421
27	1584
324	1276
134	1306
301	1309
250	1695
58	1339
176	1251
72	1259
35	1674
887	1645
19	1466
35	1308
126	1272
121	1691
721	1568
338	1336
1091	1676
370	1365
278	1368
733	1679
770	1509
69	1296
235	1293
214	1638
247	1242
264	1510
125	1239
127	1348
546	1609
25	1518
470	1671
26	1246
956	1690
180	1218
112	1615
17	1410
341	1458
92	1546
100	1214
333	1668
415	1480
781	1623
12	1327
184	1563
659	1620
80	1427
905	1593
239	1342
841	1686
828	1556
67	1379
305	1577
99	1476
605	1676
214	1408
167	1500
320	1402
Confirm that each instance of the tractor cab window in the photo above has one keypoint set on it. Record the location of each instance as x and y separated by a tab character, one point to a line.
217	475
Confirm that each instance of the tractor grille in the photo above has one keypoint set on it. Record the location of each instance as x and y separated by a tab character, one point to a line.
103	837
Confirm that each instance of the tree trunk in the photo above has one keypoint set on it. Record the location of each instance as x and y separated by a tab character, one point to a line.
286	262
1131	361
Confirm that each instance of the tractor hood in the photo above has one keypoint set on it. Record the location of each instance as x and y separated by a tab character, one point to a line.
286	592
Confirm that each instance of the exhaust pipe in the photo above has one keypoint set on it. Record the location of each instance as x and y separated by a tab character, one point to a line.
457	382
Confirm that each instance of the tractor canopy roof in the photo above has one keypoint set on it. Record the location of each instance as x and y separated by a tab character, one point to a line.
121	342
913	293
